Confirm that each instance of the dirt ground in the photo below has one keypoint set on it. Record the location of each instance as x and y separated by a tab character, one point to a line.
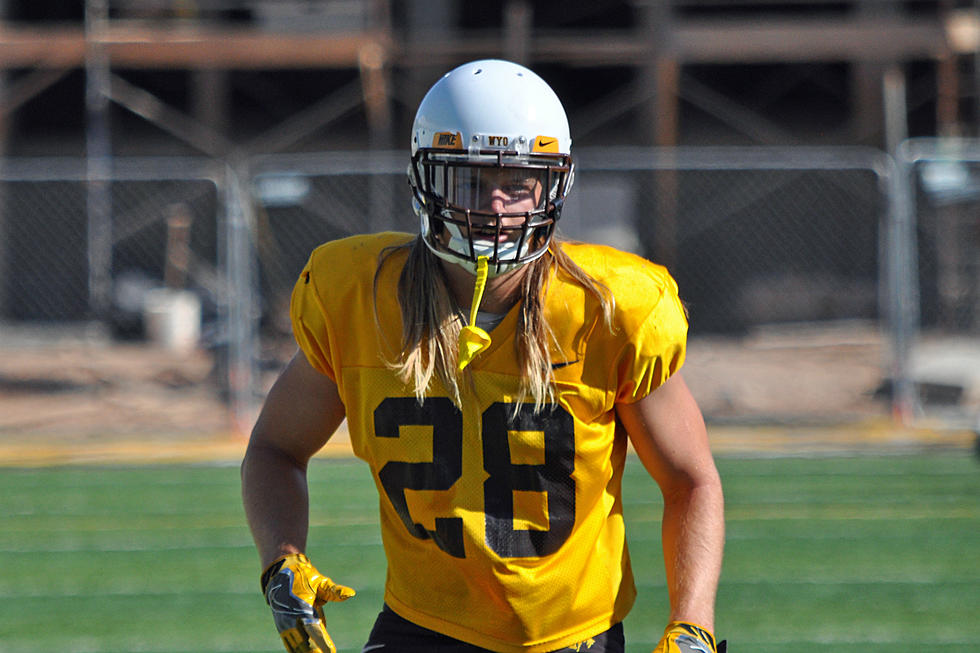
74	399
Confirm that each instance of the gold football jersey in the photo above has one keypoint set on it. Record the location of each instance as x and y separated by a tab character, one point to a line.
501	528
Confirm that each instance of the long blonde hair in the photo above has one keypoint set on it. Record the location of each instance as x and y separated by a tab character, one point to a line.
431	322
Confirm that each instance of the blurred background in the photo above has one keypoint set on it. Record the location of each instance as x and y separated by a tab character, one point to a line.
809	171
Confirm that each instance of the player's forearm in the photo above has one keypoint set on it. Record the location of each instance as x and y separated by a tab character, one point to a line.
276	500
694	539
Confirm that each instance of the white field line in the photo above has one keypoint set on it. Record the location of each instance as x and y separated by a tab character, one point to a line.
95	645
828	581
799	644
833	512
220	519
150	547
143	590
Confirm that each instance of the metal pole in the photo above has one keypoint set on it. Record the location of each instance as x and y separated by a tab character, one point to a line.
98	158
976	93
903	277
238	312
518	22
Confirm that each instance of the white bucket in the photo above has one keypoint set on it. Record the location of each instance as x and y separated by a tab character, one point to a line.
172	318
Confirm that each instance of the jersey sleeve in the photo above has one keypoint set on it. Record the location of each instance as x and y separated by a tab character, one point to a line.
311	328
655	339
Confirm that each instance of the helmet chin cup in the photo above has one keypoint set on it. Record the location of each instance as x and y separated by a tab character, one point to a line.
503	257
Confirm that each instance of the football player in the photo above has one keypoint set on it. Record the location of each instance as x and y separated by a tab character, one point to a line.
492	376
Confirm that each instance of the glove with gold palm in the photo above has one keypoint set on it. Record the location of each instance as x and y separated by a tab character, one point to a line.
684	637
296	592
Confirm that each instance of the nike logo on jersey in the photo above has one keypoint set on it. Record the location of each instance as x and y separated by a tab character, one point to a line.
558	366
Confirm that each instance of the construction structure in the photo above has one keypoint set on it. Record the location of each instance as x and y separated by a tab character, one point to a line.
265	74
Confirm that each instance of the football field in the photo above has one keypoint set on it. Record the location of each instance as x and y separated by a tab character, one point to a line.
873	553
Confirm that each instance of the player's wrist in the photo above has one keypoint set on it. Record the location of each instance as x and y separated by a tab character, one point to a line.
278	563
701	625
274	554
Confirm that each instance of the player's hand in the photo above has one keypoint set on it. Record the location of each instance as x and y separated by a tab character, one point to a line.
296	592
684	637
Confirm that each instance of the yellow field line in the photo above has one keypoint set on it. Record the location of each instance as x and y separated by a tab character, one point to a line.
41	450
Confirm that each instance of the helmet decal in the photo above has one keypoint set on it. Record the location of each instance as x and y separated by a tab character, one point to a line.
498	141
545	144
448	140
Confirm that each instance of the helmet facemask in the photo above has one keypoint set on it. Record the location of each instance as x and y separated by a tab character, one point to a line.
494	203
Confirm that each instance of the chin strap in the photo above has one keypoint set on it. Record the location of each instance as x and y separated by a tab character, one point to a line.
473	339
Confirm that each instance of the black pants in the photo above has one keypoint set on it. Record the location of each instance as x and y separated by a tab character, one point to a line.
393	634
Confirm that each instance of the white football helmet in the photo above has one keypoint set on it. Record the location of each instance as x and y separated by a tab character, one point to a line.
491	165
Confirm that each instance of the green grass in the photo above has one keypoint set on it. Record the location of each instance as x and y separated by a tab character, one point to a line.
877	554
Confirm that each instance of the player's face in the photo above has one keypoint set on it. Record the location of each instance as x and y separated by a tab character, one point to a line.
497	193
499	190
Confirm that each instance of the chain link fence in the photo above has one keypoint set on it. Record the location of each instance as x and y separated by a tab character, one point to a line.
943	204
946	176
163	231
793	262
302	201
132	340
779	254
753	237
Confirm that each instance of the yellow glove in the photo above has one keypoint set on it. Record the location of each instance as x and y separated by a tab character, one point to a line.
684	637
296	592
